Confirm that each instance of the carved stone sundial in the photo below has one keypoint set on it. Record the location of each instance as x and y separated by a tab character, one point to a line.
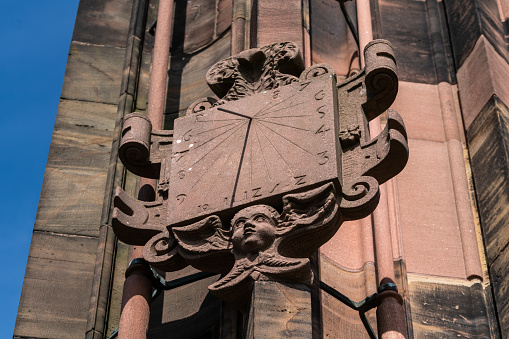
252	182
257	148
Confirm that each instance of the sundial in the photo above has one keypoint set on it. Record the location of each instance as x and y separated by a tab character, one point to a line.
253	181
273	142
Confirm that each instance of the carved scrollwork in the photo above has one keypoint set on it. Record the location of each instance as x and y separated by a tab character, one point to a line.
134	149
162	252
359	198
206	245
201	105
255	70
266	245
381	77
316	71
141	149
132	221
260	242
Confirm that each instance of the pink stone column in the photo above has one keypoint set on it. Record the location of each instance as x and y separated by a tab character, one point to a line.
134	318
238	27
391	320
136	299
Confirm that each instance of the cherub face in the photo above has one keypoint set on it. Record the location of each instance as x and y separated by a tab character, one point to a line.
254	229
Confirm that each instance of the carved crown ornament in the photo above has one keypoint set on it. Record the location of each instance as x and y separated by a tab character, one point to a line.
253	181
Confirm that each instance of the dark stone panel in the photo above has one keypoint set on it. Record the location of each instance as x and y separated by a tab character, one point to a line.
488	140
198	23
331	38
468	19
58	278
451	310
404	23
197	315
464	27
103	22
93	73
187	75
73	188
500	279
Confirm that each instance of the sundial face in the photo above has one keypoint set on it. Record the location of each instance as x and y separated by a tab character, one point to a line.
254	149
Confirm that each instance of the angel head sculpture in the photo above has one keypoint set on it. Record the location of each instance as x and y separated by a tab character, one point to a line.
254	230
266	245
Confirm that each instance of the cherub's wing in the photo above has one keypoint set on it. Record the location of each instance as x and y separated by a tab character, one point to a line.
308	220
205	245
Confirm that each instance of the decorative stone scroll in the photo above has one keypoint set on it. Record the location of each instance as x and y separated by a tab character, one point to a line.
253	181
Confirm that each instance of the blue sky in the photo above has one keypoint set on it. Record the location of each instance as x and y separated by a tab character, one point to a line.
35	38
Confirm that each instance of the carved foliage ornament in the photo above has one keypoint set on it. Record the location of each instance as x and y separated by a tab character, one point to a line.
253	181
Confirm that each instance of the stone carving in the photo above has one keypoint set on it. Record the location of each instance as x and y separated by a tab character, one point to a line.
255	180
255	70
266	245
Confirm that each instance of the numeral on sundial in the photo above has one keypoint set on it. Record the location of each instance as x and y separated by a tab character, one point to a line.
274	188
320	110
322	129
304	85
299	180
187	136
324	158
320	95
256	192
199	117
181	198
179	155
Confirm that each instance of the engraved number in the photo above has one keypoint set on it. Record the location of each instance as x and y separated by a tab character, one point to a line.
304	85
272	190
182	174
179	155
321	110
324	158
299	180
320	95
187	136
322	129
181	198
203	207
256	192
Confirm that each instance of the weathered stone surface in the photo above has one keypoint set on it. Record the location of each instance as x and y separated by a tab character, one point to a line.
276	25
331	39
73	187
186	312
468	21
488	139
103	22
431	238
340	321
419	105
58	278
199	23
451	308
93	73
482	75
279	311
500	281
187	72
404	22
120	264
